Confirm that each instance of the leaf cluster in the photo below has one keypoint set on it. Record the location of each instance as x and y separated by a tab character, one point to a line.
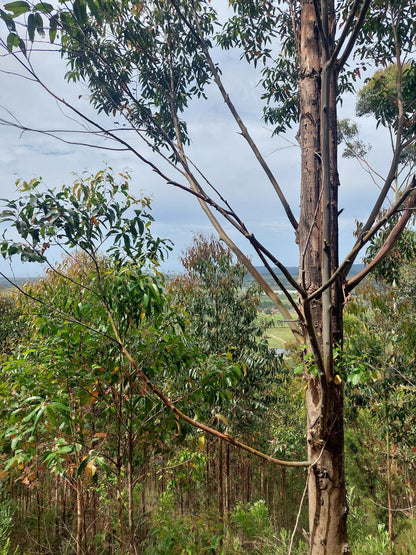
379	98
96	214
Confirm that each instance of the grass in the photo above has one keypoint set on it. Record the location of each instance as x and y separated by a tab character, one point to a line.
279	333
279	336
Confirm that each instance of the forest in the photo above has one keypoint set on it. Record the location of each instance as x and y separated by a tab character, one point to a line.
146	413
93	462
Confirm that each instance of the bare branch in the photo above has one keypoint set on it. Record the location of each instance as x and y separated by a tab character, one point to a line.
389	244
244	131
344	267
353	37
321	27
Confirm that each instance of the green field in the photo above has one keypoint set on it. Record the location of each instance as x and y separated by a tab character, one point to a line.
279	337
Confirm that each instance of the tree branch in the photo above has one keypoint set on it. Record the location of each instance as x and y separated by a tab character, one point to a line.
244	131
212	431
345	266
351	42
389	244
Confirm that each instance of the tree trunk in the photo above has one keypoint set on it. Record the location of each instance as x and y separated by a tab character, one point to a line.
326	488
318	245
227	483
80	517
220	485
130	491
388	461
207	474
283	519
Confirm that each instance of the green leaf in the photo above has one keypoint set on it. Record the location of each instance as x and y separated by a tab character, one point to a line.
8	21
94	9
15	442
65	449
22	46
53	26
80	11
31	27
38	417
39	24
12	40
50	411
18	8
61	407
43	7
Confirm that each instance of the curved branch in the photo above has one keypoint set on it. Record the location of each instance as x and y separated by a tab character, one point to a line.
244	131
388	245
212	431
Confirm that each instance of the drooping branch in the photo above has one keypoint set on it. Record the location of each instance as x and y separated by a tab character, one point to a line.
55	134
195	423
244	131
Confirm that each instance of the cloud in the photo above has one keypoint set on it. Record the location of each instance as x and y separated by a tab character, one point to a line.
217	147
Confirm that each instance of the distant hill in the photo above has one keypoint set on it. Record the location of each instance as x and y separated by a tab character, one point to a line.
5	285
293	270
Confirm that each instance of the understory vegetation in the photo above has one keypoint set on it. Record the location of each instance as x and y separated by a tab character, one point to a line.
91	460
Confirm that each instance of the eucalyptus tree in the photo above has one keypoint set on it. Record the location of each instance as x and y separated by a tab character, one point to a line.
378	98
380	371
98	324
147	61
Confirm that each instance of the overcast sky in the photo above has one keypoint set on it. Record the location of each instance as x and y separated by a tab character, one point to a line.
217	148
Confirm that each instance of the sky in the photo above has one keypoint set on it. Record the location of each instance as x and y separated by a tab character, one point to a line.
217	148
